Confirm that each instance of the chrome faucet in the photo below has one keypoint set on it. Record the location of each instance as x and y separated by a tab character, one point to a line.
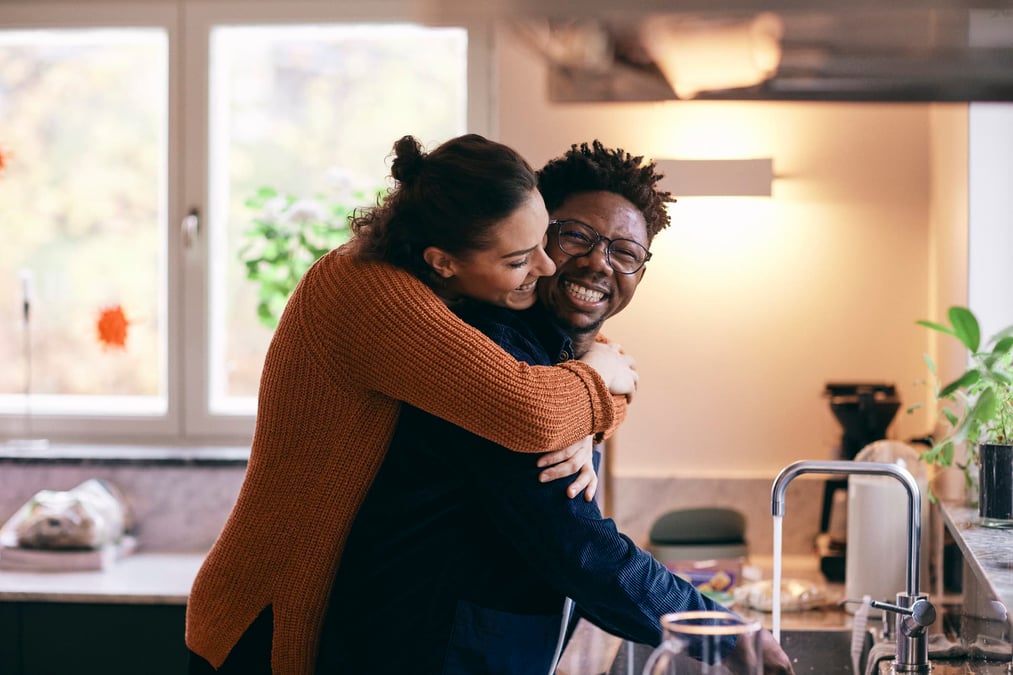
914	611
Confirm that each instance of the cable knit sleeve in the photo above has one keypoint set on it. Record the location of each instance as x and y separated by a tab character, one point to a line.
619	402
383	330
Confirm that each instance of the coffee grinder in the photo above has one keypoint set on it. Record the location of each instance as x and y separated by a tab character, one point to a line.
864	411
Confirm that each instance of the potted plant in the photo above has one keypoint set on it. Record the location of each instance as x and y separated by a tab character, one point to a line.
287	235
983	416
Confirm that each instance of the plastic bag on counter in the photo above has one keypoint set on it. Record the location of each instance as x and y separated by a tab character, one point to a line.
88	516
796	595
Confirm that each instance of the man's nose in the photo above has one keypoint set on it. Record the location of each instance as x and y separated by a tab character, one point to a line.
597	259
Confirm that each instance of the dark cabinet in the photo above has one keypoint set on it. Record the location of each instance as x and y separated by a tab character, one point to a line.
43	638
10	639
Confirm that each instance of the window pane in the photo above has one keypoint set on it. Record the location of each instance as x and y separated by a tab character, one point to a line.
82	205
311	112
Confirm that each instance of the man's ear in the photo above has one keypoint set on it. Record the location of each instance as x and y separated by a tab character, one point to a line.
441	261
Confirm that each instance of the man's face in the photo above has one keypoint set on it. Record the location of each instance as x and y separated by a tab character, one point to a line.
585	290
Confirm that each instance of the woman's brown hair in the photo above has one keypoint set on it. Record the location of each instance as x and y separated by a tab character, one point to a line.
451	198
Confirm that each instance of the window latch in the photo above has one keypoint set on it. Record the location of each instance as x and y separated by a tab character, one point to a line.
190	227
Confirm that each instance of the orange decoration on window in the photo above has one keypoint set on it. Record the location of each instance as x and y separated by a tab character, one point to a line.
112	328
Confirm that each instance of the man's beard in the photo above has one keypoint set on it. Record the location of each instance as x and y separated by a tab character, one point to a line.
578	334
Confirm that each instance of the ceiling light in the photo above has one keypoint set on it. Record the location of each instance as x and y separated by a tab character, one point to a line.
697	55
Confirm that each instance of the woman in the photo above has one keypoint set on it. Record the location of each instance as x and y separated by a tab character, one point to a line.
362	333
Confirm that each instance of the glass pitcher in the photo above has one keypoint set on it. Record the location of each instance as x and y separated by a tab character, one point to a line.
706	642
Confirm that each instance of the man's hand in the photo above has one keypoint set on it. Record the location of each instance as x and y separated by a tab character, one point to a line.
575	459
775	661
617	369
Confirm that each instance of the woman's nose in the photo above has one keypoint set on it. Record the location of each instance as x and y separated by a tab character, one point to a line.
543	263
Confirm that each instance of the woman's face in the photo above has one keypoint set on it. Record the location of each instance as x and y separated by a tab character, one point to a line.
505	273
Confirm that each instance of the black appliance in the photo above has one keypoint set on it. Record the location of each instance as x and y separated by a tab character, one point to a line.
864	411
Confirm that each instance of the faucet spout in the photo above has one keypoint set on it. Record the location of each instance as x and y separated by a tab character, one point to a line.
914	611
914	503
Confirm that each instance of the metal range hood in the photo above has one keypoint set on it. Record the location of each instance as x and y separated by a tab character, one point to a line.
862	50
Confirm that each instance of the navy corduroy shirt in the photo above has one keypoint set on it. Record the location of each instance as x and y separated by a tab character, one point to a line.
459	559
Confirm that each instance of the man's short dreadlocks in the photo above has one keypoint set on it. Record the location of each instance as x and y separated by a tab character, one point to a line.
596	168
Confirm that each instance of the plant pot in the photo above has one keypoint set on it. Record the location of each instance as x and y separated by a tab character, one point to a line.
995	485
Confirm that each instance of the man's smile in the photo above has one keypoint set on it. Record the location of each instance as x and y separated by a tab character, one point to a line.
583	293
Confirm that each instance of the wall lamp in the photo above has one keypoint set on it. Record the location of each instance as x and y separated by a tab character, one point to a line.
716	177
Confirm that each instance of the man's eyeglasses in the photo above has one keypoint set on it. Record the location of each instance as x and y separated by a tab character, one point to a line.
576	238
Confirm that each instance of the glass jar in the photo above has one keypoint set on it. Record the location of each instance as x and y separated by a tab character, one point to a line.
708	643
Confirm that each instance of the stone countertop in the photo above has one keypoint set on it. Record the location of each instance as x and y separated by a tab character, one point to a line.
166	578
988	551
142	578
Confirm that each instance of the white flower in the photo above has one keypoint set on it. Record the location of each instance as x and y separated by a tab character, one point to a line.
274	209
305	211
340	180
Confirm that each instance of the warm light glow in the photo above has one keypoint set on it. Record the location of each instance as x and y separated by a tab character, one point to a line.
716	177
696	55
743	233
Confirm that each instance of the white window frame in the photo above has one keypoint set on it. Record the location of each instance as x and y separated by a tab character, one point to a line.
188	24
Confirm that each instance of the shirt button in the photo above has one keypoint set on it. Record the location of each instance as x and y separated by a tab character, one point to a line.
564	356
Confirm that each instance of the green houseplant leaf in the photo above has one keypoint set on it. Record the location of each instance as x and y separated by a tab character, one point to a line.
287	235
984	392
965	327
963	382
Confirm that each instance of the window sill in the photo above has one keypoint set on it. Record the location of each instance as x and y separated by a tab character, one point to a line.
82	454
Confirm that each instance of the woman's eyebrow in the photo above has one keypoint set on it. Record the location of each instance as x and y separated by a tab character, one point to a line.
523	251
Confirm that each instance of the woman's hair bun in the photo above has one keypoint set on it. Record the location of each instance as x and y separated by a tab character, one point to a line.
408	160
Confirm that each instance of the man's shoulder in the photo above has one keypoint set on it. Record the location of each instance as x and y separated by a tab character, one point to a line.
510	329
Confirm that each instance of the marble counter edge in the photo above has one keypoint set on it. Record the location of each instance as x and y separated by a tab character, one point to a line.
111	454
988	551
143	578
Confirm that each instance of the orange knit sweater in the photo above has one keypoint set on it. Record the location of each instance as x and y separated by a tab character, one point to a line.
355	340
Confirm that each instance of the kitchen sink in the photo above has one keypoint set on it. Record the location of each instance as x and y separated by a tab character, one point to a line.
824	651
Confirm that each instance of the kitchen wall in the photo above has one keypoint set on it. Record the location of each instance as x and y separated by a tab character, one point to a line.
948	251
750	305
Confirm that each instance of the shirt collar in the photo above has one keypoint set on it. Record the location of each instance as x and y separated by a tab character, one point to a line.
544	325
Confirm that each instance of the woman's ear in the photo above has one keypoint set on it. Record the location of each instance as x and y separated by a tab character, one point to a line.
441	261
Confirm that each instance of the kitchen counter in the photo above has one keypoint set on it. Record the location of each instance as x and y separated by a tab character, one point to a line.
106	621
165	579
987	551
988	554
158	578
142	578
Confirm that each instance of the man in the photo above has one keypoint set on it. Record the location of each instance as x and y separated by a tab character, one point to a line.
459	559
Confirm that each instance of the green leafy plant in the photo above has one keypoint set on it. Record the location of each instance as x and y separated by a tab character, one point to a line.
286	236
984	393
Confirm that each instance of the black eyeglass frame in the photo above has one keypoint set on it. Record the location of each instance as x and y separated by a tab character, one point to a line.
558	223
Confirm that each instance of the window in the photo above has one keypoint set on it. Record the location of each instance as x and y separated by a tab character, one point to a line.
79	192
140	142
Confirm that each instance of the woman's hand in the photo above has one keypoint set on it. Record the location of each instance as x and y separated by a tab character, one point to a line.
575	459
617	369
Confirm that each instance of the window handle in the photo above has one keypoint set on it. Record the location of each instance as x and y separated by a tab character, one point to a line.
190	227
